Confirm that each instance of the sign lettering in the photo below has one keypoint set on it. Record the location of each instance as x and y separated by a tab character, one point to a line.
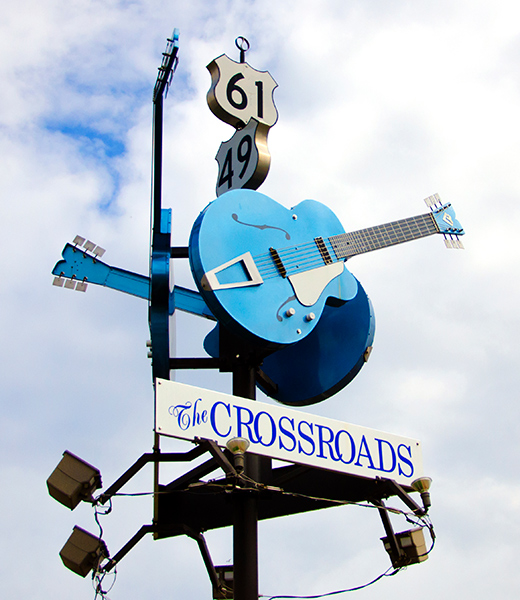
187	412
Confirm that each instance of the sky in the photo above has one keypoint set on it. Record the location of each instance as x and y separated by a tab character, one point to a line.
381	104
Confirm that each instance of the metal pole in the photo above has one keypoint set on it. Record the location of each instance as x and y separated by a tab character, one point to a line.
245	509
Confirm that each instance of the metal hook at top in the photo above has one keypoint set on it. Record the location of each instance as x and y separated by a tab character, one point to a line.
243	45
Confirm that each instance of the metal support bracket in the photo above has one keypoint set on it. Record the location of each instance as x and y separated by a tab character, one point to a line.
158	457
405	497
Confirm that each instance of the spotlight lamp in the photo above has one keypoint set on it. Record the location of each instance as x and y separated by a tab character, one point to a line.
422	485
411	545
238	447
73	480
83	552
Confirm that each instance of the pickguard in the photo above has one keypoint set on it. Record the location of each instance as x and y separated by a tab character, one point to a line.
309	285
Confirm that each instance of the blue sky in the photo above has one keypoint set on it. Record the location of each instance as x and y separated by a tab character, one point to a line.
380	105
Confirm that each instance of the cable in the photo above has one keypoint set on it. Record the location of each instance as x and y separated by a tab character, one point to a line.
97	581
101	512
224	487
335	593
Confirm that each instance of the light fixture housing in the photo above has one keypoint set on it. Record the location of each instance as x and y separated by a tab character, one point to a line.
422	485
238	447
412	544
73	480
83	552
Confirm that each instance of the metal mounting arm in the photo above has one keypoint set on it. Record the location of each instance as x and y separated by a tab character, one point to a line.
405	497
145	529
158	457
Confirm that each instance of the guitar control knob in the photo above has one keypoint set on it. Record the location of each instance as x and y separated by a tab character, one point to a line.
290	312
310	317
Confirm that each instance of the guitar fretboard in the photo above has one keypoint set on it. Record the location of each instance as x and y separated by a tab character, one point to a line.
381	236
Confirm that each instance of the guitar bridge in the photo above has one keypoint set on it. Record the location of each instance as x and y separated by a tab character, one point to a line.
236	273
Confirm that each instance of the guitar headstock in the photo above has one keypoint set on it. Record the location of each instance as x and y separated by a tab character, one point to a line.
446	221
80	265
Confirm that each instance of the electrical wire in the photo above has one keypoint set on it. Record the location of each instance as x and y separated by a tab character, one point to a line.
336	592
97	583
226	486
101	512
222	486
423	522
99	574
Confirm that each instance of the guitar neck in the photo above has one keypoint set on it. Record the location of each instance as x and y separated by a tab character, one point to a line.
349	244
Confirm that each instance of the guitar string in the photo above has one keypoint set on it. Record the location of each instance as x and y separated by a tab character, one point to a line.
299	260
306	256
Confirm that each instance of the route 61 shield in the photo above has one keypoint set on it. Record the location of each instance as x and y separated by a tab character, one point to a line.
238	93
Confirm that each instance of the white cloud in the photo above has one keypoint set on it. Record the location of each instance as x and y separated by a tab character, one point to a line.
381	104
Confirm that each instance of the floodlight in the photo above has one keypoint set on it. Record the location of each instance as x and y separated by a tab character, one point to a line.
83	552
422	485
238	446
73	480
412	545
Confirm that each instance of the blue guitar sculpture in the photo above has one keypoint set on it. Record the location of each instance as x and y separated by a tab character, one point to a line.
81	266
306	372
267	273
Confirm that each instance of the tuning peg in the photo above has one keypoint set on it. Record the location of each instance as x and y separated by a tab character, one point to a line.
78	241
433	201
89	246
453	243
70	284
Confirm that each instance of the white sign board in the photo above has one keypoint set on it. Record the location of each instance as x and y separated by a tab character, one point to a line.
187	412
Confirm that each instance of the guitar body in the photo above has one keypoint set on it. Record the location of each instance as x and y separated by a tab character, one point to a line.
328	359
325	361
238	275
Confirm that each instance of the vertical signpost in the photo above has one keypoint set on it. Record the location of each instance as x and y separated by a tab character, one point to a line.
243	97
